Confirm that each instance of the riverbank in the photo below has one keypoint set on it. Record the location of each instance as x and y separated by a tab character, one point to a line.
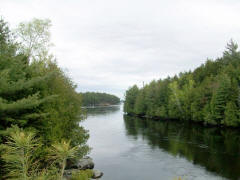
202	123
129	148
78	165
39	106
208	94
100	105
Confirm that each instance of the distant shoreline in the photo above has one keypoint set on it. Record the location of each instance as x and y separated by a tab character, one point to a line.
100	105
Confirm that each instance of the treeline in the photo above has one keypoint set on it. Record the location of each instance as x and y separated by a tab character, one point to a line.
38	101
210	94
96	98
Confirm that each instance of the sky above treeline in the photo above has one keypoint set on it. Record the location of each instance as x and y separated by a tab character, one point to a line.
109	45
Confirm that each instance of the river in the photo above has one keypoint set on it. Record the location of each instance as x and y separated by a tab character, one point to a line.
130	148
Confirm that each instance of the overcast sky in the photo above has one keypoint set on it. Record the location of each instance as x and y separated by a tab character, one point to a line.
109	45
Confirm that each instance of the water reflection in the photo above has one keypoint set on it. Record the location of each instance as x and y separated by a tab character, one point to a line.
128	148
101	110
215	149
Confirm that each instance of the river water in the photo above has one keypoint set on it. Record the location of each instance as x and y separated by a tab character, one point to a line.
130	148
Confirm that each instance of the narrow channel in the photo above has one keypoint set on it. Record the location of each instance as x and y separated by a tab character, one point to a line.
130	148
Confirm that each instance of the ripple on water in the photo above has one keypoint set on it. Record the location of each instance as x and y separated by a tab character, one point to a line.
134	149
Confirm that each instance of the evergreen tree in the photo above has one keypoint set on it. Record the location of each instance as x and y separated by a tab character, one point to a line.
174	105
19	94
208	115
130	99
96	98
220	98
231	115
202	95
151	99
35	93
140	104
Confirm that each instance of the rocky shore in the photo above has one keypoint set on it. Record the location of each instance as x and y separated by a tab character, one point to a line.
81	164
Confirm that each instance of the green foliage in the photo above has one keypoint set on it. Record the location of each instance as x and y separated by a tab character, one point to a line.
34	92
60	152
231	115
20	94
203	95
220	97
18	154
140	106
174	104
34	37
65	112
208	115
37	94
82	175
95	99
178	178
130	99
150	99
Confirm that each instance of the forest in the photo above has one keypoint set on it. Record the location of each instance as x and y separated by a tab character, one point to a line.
96	99
39	106
210	94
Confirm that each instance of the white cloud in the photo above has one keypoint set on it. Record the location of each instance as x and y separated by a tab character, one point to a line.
109	45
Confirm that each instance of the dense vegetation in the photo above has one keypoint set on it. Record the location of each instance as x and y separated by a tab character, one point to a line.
210	94
96	98
36	96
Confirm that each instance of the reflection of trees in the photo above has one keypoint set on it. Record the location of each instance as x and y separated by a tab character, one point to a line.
101	110
215	149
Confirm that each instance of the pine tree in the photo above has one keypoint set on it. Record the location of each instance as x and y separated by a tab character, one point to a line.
140	106
231	115
174	105
150	99
29	91
208	115
220	98
201	95
130	99
19	95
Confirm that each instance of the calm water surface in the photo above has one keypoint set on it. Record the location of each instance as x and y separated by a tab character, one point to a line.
130	148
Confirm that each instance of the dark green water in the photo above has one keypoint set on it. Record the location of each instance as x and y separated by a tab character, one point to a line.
130	148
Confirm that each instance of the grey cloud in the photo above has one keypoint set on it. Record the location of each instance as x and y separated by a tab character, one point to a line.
109	45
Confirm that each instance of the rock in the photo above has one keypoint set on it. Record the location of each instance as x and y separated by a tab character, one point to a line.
97	174
71	164
68	173
82	164
85	163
